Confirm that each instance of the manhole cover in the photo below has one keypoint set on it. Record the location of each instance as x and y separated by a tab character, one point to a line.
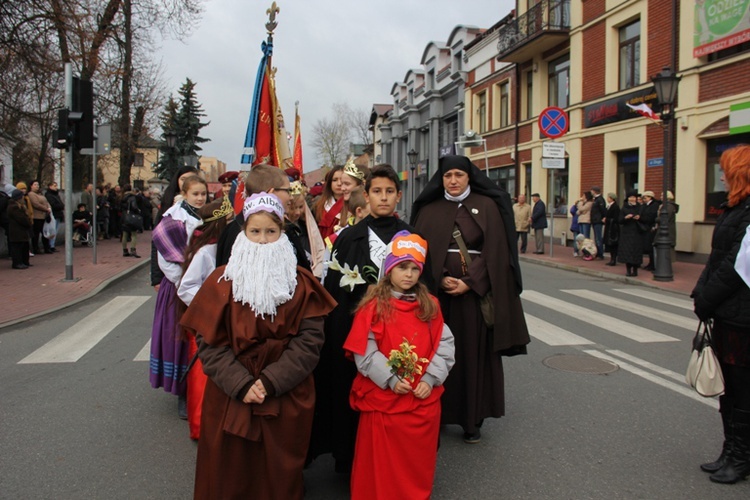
580	364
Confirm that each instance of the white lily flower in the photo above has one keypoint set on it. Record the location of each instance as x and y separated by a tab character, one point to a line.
351	277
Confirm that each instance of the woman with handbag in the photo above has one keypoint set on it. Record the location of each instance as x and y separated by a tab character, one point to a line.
468	223
722	295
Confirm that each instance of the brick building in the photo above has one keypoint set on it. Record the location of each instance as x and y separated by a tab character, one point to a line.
592	58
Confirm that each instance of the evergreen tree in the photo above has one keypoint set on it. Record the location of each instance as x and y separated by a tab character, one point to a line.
184	120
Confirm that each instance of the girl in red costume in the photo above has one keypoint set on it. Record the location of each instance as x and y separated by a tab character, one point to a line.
331	201
399	422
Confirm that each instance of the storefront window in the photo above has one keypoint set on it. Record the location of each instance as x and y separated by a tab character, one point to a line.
557	190
715	191
505	178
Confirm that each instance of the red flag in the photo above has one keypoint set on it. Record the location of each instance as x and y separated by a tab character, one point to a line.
643	109
265	136
297	143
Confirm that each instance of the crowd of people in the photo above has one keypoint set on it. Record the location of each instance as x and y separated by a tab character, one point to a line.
32	220
293	323
599	226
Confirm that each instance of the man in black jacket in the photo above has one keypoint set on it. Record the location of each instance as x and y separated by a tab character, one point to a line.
58	209
598	216
538	222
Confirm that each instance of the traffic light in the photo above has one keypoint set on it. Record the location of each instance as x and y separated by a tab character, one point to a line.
83	102
61	137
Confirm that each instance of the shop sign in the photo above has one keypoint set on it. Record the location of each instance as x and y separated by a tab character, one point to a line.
616	110
739	118
720	24
655	162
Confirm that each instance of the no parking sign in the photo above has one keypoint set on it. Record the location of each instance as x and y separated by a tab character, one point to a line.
553	122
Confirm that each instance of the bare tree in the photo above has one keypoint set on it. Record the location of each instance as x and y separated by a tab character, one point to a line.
359	122
331	140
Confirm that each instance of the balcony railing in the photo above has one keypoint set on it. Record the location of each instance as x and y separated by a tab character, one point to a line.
545	17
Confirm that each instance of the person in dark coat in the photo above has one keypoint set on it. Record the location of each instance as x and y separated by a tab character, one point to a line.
612	228
598	217
649	214
630	247
722	294
538	222
460	196
19	225
102	214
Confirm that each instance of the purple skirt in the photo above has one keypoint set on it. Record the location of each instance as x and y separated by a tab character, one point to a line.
169	353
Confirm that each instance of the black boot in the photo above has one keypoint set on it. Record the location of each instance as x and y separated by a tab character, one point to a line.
726	417
125	252
134	254
612	260
737	465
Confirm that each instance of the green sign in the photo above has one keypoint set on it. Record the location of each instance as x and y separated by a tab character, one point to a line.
720	24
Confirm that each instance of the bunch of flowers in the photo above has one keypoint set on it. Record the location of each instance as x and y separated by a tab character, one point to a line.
404	362
350	277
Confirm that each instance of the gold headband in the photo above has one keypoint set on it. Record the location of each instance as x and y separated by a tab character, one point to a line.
224	210
351	169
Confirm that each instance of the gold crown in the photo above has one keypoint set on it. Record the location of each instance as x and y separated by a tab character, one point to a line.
224	210
351	169
295	188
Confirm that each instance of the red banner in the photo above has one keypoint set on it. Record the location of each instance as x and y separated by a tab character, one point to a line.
297	145
265	137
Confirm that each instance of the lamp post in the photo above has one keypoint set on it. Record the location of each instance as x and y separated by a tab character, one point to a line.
665	84
412	155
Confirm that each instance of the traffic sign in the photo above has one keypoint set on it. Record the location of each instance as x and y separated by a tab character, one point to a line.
551	149
557	163
553	122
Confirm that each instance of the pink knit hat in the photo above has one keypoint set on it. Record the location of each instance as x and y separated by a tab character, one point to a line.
405	246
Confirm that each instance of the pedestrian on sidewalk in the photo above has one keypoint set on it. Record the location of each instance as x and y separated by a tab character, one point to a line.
58	210
574	227
598	218
587	247
522	214
129	205
169	351
41	210
19	224
630	248
585	204
538	222
722	294
612	228
649	214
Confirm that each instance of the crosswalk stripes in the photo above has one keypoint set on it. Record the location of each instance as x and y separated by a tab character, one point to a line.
641	310
73	343
145	353
680	389
657	297
602	321
552	334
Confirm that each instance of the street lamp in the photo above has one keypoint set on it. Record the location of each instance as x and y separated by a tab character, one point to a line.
412	155
665	84
171	139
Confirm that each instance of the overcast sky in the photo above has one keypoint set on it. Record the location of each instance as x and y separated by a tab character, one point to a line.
326	51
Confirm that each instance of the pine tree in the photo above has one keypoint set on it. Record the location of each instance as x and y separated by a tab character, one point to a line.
184	121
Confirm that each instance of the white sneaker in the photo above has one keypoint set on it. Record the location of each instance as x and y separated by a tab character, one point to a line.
31	254
575	254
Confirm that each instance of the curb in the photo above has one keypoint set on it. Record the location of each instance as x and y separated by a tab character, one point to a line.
599	274
104	284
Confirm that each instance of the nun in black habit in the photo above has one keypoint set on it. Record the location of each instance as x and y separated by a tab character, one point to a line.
461	193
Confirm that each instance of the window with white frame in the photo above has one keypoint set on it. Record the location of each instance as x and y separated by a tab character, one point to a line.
482	112
630	55
504	104
559	78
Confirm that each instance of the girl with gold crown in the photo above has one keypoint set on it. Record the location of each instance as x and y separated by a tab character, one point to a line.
259	325
200	261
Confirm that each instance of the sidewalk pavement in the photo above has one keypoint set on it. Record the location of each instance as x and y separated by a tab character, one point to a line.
41	289
686	274
29	293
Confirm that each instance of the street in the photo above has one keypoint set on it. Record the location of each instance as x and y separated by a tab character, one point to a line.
78	418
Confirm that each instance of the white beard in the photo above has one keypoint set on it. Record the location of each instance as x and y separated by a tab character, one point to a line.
263	276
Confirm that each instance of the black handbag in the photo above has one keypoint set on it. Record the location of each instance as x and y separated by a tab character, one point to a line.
486	303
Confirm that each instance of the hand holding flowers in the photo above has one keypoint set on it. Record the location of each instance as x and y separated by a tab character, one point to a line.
406	364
